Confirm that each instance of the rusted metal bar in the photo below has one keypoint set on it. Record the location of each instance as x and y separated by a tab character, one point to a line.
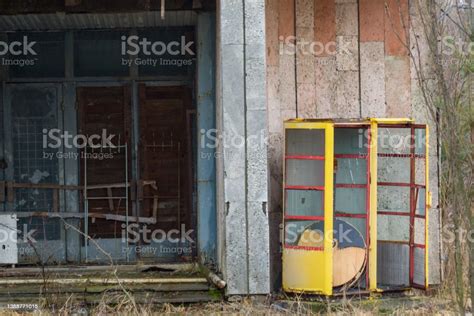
2	191
55	201
10	192
155	207
304	157
216	280
412	205
53	186
46	186
140	190
110	217
367	208
104	281
350	215
133	191
111	201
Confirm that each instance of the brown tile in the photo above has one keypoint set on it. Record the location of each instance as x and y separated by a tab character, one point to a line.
325	22
372	15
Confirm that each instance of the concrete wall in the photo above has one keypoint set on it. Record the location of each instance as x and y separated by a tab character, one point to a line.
364	72
242	165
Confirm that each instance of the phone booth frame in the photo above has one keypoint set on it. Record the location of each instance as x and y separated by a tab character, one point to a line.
310	269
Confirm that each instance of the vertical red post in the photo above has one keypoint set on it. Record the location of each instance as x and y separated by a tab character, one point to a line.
367	207
412	204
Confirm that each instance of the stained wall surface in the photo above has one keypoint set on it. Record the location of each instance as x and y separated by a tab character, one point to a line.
351	60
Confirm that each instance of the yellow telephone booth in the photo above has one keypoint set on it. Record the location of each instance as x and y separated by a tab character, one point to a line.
356	205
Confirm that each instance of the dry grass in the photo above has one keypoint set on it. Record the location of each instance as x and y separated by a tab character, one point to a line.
119	304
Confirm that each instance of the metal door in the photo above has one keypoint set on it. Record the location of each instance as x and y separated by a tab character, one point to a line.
308	207
402	204
33	166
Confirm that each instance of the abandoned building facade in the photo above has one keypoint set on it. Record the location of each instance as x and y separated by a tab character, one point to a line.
163	121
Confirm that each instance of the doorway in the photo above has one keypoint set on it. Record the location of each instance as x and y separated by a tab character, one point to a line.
144	194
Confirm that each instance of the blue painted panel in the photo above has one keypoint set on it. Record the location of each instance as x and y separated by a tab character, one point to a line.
2	140
206	163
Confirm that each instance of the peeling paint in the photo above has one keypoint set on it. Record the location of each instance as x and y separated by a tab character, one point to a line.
38	176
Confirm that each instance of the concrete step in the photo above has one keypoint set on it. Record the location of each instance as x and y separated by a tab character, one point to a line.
155	286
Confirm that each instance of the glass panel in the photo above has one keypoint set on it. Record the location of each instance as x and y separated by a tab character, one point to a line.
420	141
419	266
304	233
350	141
393	199
393	265
394	140
393	228
350	201
393	169
419	231
421	202
305	172
305	142
420	171
44	228
358	224
178	59
49	60
99	53
304	203
351	171
34	109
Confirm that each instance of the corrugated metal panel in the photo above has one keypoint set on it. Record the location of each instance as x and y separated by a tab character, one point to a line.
62	21
393	264
419	266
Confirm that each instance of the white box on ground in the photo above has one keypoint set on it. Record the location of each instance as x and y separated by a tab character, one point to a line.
8	239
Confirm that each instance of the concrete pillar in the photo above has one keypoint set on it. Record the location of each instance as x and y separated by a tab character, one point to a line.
243	120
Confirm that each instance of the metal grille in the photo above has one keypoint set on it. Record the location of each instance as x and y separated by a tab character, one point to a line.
30	166
34	109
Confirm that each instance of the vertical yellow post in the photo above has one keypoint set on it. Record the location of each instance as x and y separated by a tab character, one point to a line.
373	207
428	204
328	208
